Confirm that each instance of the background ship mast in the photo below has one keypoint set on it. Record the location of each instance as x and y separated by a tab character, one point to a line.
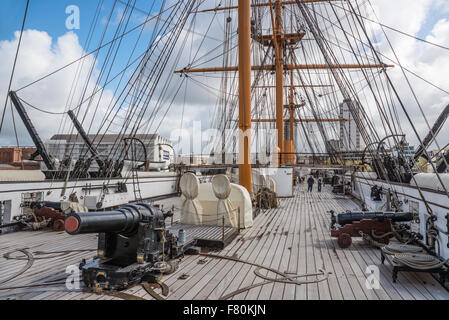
245	94
281	41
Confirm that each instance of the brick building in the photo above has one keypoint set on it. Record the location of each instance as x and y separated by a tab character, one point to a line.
14	158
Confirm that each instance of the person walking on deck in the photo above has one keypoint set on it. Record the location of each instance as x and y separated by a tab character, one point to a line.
310	182
320	184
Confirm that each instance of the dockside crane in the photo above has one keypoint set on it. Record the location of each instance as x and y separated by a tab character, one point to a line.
41	150
86	139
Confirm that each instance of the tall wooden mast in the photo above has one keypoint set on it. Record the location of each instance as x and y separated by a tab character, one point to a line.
290	140
280	41
245	94
279	65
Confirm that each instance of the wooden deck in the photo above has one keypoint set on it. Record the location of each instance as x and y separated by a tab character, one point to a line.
294	238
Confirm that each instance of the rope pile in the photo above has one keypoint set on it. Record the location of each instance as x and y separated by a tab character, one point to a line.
266	199
284	278
30	258
165	267
394	249
368	239
413	257
419	261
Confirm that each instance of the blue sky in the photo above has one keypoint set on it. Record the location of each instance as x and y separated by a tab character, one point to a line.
50	16
433	16
46	15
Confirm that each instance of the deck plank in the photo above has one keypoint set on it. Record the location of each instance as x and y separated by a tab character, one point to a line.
227	271
247	276
289	289
301	291
236	272
415	285
281	253
323	287
279	288
269	254
327	263
293	238
344	286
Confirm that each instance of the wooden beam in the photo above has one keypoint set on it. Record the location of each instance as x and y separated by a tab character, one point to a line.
303	120
298	86
267	40
292	105
256	5
289	67
287	36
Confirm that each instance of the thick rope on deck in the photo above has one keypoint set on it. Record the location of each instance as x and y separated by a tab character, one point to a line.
30	258
369	239
420	261
393	248
29	264
413	257
288	279
266	199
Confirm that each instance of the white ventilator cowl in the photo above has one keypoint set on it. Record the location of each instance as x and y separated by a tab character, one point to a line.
192	210
189	185
221	186
222	189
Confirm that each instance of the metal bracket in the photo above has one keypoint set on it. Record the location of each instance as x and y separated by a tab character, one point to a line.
447	225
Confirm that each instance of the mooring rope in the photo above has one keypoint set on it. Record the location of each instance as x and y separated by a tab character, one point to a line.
394	249
420	261
413	257
284	277
30	258
30	261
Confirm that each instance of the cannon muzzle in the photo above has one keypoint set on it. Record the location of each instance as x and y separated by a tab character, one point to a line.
124	220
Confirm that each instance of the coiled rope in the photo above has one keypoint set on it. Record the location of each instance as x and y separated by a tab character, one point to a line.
45	286
284	277
413	257
29	264
30	258
369	239
420	261
394	249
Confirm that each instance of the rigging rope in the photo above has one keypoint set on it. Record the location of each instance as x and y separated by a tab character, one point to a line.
95	50
394	29
14	64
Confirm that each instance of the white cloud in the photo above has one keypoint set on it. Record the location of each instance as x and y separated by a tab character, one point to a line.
429	62
39	56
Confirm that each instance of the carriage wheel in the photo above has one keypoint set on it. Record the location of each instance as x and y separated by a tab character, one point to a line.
58	225
344	240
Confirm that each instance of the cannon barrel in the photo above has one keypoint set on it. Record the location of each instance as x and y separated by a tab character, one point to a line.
124	220
350	217
48	204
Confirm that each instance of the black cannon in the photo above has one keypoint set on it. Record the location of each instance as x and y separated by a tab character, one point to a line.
376	193
133	246
350	217
347	225
48	204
